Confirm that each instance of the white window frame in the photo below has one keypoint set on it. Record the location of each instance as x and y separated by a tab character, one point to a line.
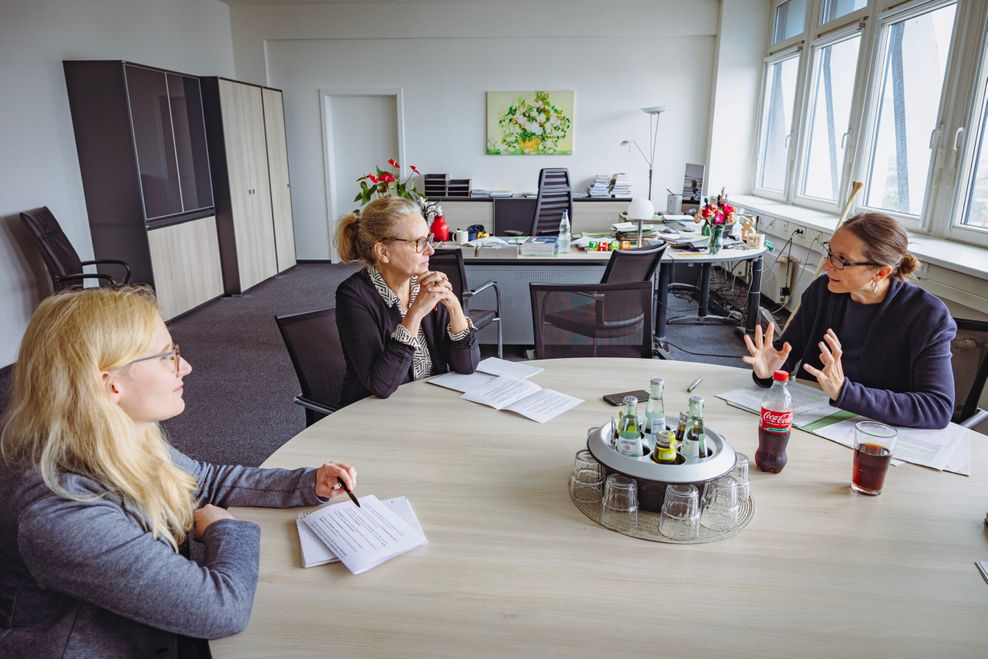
796	39
775	58
843	33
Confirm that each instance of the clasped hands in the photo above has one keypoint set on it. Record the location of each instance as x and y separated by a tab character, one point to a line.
764	359
434	288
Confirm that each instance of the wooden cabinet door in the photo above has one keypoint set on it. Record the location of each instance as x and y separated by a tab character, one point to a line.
250	195
281	199
186	262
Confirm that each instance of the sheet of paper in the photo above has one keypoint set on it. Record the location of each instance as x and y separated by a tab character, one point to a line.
544	405
929	448
461	382
501	392
959	461
496	366
363	537
316	552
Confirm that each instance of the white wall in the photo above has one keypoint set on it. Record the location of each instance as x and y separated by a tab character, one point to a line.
616	56
39	165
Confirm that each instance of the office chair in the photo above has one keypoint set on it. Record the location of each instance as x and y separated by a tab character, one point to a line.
555	196
313	343
592	320
62	261
450	263
636	264
970	365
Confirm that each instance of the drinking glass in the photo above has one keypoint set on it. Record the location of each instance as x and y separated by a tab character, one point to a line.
584	460
873	446
620	507
740	474
720	504
680	516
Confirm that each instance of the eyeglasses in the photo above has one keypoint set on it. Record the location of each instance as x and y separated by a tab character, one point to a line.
840	262
419	243
172	354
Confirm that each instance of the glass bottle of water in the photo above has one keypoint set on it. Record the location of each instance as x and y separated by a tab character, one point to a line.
693	443
655	410
629	440
564	235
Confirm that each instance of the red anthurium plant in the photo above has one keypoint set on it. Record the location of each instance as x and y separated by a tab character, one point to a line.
387	184
716	213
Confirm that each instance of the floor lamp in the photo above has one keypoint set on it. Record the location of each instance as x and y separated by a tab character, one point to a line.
653	113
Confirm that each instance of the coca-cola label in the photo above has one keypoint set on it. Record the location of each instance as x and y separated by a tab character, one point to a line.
776	421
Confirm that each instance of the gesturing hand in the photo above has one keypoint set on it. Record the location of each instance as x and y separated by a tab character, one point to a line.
762	356
831	377
326	484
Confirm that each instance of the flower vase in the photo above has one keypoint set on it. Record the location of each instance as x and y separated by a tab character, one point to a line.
716	241
439	228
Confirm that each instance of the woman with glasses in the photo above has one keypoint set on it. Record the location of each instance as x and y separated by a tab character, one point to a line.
97	504
398	320
878	345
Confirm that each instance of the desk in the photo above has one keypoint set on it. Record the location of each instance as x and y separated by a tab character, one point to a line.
513	274
513	568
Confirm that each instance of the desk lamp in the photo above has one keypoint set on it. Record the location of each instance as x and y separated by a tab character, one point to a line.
653	113
640	210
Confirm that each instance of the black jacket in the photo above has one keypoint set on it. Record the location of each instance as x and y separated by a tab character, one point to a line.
376	363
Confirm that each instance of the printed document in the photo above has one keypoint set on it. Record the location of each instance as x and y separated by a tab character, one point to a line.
486	371
363	537
522	397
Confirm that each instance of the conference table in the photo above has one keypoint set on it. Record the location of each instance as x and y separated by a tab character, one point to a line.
513	568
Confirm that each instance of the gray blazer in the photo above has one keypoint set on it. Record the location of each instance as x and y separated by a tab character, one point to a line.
86	578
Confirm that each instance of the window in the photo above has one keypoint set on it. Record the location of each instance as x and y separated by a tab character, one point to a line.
914	61
834	9
779	100
790	20
976	209
830	114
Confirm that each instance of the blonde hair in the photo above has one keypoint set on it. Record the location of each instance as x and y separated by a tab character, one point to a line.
356	234
61	420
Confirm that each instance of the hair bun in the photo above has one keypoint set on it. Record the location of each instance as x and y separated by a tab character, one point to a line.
908	265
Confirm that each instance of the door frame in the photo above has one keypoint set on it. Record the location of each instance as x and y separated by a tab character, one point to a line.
329	162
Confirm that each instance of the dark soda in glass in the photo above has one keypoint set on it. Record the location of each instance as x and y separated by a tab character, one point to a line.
871	463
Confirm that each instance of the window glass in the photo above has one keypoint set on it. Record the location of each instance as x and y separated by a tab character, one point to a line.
777	109
836	8
830	111
790	20
976	213
913	66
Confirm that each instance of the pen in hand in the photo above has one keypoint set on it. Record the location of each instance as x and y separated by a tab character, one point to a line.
693	386
347	490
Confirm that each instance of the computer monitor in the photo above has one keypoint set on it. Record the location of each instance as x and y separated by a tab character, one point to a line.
692	187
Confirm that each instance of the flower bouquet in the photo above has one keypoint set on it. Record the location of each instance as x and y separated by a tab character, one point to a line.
387	184
716	216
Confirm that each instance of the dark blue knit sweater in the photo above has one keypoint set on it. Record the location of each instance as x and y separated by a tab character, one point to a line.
905	378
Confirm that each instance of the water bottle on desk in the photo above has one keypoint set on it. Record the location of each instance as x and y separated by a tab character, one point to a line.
564	237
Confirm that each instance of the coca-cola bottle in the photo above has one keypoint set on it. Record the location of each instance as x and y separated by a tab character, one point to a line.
775	425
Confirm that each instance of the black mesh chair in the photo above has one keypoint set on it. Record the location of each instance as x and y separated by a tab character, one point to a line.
592	320
62	261
555	196
636	264
450	263
313	343
970	362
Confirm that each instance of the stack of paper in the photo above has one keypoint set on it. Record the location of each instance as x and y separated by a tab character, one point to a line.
362	537
501	194
539	246
600	185
480	192
621	185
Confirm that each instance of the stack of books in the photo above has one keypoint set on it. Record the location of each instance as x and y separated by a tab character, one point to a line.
599	188
458	187
539	246
435	185
621	185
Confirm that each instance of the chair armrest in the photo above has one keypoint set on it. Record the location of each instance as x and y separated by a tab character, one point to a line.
84	276
979	416
310	404
112	262
467	295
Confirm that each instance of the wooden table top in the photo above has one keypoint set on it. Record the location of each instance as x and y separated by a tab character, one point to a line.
513	568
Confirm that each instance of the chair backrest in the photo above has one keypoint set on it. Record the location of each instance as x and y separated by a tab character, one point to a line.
313	343
592	320
450	263
636	264
555	196
970	365
60	257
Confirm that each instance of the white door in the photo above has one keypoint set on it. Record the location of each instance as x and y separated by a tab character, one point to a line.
361	134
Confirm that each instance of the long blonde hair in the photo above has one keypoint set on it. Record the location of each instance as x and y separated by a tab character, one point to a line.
357	234
61	420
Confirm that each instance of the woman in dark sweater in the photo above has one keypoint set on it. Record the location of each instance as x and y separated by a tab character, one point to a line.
398	321
878	345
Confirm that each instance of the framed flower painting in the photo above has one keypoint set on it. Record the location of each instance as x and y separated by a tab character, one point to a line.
534	123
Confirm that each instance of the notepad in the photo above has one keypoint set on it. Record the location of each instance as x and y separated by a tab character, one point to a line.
316	552
364	537
522	397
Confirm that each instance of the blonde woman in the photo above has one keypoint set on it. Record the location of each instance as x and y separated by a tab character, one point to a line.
97	504
398	320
